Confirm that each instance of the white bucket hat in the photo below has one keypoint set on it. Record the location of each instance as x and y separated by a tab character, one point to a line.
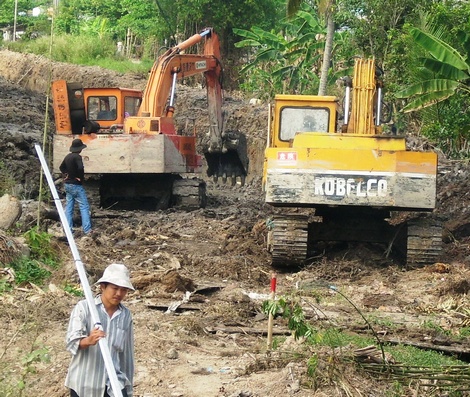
116	274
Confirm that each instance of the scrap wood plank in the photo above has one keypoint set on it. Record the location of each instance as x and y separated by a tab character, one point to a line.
247	330
207	288
184	306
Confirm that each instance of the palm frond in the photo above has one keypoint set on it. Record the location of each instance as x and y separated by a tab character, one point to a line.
444	70
427	100
428	86
439	49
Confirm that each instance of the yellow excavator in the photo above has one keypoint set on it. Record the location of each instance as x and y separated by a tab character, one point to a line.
348	182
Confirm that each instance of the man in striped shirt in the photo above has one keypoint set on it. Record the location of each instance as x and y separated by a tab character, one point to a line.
87	375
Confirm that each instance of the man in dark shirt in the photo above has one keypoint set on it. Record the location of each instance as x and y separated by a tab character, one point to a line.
74	173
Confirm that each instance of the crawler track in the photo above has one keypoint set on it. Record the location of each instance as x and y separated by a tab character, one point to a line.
189	194
424	241
288	238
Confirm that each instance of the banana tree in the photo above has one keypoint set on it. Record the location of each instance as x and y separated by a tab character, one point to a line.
446	69
289	56
326	9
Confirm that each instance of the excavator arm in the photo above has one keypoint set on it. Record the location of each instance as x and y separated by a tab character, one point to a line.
225	152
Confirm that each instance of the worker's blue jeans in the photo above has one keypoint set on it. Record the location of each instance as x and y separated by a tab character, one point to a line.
76	193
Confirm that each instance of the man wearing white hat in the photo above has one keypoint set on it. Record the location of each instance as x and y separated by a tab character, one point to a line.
87	375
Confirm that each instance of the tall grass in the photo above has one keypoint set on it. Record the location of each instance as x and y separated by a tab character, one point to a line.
81	50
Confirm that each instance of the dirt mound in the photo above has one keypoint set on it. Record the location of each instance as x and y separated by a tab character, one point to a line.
35	73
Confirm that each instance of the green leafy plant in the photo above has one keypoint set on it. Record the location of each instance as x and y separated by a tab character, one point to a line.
464	332
312	365
73	290
277	342
293	311
411	355
36	267
431	325
445	70
40	245
326	366
39	354
5	286
14	380
27	270
283	62
446	125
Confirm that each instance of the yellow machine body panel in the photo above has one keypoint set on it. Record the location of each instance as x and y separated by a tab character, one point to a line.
348	141
347	176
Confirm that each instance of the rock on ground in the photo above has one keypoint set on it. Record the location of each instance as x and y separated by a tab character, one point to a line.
10	211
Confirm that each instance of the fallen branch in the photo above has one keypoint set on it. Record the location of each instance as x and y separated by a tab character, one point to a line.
247	330
427	345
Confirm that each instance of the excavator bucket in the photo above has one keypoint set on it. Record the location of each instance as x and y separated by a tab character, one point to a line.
231	161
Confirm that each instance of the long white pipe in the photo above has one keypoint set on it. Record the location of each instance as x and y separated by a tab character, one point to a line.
173	89
379	107
347	100
103	343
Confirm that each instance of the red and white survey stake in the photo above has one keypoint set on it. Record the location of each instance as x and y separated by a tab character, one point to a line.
271	317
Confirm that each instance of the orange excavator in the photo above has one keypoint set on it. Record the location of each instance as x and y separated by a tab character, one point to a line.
132	141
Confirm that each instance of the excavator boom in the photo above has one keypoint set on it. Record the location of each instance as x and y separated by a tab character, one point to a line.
225	151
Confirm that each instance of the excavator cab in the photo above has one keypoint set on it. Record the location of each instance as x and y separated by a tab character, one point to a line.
80	110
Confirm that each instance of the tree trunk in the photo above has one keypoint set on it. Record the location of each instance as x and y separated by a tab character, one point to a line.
330	32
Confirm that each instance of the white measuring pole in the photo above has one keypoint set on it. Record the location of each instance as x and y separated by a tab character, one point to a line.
103	343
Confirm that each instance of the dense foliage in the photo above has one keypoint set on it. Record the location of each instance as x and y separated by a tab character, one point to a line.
422	46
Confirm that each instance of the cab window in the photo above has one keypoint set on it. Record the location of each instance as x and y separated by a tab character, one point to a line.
131	105
302	119
102	108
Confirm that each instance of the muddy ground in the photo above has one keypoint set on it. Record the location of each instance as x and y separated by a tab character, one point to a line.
215	343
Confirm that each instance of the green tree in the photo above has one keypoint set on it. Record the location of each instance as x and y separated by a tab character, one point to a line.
377	24
445	71
447	124
68	17
159	23
24	16
85	16
226	15
326	9
143	19
286	61
439	93
380	29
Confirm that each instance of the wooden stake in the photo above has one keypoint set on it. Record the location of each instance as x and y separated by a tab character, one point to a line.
271	317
